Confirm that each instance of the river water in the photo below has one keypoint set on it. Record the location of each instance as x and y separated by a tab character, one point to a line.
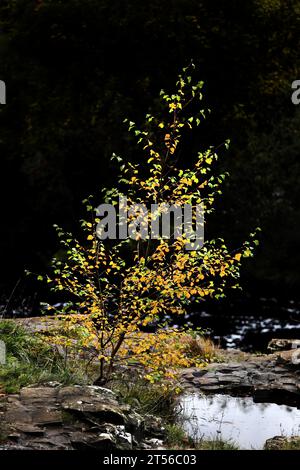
240	420
249	326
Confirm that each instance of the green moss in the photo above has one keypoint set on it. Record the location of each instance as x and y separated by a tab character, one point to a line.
292	445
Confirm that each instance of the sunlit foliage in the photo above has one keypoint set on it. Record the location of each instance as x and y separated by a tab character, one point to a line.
118	290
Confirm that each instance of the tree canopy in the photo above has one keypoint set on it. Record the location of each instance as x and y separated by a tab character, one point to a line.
74	70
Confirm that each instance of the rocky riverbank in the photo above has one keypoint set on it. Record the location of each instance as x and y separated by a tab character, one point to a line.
75	417
268	378
57	416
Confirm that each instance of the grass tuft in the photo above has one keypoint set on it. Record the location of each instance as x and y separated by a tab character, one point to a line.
216	444
177	438
147	398
31	361
200	347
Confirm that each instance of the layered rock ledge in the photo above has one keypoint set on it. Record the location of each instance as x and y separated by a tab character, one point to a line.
74	417
268	378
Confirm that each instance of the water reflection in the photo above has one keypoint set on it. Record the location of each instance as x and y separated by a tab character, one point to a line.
241	420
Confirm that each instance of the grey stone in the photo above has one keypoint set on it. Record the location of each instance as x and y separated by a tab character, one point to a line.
76	417
281	442
272	376
29	429
2	353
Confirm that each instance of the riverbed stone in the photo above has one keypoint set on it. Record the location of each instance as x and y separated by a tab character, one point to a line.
282	443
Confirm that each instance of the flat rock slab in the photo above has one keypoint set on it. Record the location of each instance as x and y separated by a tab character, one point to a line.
274	378
75	417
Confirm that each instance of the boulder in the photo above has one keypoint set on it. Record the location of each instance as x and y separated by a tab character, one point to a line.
289	358
283	443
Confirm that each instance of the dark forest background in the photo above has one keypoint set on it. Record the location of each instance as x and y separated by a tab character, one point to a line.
74	69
